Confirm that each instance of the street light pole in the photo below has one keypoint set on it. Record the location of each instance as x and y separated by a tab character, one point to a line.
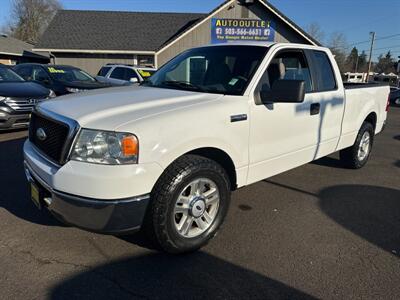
370	55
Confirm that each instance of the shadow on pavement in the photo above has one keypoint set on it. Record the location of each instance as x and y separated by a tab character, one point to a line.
329	162
397	137
161	276
14	192
371	212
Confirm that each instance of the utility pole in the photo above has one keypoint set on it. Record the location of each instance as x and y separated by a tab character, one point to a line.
370	55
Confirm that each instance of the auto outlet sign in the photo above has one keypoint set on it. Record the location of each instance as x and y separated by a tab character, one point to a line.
226	30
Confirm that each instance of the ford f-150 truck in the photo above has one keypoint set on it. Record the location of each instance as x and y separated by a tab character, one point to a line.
164	156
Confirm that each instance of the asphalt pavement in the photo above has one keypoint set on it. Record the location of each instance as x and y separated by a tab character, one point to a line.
318	231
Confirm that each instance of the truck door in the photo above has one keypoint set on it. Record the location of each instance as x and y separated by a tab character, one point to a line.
329	93
283	135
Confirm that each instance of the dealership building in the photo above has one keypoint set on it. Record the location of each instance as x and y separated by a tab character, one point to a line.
90	39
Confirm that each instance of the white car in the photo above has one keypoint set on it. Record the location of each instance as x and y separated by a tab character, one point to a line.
124	74
165	156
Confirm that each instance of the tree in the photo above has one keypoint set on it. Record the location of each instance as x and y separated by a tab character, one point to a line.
385	64
362	62
314	29
352	61
338	45
31	18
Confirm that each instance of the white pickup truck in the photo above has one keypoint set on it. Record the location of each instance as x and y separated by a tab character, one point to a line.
165	156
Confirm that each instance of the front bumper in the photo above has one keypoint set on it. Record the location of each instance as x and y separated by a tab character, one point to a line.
105	216
13	121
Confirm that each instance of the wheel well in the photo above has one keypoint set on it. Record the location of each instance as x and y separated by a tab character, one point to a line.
371	118
222	158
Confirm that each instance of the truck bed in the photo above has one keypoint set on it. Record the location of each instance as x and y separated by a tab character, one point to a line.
356	85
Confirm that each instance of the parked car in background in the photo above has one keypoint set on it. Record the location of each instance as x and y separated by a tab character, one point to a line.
394	96
124	74
17	99
61	79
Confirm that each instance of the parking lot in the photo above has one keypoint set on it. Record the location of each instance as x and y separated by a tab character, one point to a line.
317	231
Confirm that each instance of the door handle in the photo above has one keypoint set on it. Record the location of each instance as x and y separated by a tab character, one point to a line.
314	109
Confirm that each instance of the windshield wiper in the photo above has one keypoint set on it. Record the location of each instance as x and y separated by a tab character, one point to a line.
183	84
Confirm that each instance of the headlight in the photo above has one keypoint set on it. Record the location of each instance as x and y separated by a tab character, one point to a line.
74	90
106	147
52	94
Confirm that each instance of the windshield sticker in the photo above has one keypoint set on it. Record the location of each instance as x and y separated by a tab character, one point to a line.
144	73
54	70
233	81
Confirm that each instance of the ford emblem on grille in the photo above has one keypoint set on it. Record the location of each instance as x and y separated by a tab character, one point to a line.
41	134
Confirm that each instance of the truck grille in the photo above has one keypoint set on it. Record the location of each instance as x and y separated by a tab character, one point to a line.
22	104
56	136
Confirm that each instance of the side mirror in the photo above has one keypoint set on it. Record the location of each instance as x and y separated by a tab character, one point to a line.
134	80
285	91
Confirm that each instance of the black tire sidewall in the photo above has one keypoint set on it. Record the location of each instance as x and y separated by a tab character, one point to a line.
167	235
366	127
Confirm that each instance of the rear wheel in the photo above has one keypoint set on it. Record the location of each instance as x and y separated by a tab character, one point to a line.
189	204
356	156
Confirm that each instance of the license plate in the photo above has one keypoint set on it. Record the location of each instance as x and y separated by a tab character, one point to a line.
35	195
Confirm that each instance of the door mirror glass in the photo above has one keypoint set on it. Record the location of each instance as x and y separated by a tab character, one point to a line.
286	91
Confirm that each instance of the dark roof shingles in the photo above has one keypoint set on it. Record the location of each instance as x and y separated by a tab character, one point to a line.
109	30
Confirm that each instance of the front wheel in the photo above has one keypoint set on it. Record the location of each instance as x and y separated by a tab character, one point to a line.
189	204
356	156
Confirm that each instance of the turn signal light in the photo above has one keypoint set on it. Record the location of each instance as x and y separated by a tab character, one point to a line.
129	145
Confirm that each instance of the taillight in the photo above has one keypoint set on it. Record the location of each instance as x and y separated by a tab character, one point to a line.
388	103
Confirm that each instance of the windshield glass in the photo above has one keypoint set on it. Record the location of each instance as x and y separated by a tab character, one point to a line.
221	69
146	73
69	74
8	75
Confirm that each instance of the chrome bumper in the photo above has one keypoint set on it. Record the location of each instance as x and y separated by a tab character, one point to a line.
103	216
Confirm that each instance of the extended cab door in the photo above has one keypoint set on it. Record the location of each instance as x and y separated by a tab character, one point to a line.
284	135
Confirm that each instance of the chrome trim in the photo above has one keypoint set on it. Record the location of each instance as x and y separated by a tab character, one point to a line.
32	176
73	126
22	104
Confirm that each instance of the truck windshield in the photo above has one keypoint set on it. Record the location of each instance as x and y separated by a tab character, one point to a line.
6	75
224	69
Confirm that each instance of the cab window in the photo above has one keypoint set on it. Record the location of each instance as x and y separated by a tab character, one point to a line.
103	71
290	65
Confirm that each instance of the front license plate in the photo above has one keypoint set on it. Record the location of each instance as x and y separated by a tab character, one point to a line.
35	195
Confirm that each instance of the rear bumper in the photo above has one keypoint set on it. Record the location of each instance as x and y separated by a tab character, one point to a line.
104	216
11	121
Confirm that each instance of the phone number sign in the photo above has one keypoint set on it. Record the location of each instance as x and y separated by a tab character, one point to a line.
226	30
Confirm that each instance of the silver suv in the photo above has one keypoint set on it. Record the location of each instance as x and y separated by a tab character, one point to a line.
124	74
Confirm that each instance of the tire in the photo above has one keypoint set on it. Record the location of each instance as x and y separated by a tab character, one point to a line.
354	157
180	188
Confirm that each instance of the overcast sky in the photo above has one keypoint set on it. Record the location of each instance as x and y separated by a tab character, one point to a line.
355	18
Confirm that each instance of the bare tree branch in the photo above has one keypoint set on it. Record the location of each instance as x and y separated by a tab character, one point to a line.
31	18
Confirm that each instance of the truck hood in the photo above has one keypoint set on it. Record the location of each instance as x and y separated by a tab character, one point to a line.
112	107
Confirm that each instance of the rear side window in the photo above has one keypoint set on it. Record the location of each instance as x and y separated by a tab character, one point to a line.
324	71
25	72
129	74
118	73
103	71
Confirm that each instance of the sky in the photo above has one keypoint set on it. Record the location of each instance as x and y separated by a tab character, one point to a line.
354	18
